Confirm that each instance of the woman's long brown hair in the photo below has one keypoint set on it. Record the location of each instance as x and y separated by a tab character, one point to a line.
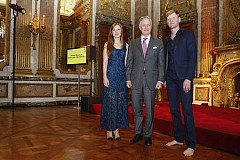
110	44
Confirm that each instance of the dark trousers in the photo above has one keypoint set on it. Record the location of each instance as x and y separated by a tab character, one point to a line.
175	92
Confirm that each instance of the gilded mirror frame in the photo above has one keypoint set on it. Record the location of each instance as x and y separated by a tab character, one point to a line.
6	39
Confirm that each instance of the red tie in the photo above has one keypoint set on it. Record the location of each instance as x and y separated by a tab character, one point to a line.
144	46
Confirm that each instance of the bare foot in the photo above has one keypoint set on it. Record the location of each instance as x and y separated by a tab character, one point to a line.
174	142
188	152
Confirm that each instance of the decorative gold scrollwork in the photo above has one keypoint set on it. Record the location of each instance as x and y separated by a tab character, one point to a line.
176	5
217	66
117	8
215	81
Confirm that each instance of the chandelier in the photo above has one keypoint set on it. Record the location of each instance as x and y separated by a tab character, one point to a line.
2	28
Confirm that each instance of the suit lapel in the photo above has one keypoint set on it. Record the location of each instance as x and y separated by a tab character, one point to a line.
150	45
139	46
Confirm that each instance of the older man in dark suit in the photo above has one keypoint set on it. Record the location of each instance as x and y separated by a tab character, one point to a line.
144	74
180	48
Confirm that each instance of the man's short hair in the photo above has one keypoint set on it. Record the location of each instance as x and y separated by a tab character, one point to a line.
171	12
145	17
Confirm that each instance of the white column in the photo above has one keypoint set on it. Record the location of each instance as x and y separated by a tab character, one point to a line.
94	10
34	53
55	29
133	16
199	9
220	22
150	8
155	17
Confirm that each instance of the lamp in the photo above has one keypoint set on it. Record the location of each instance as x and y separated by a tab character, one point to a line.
34	25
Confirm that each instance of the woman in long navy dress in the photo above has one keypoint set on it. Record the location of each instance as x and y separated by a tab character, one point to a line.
114	113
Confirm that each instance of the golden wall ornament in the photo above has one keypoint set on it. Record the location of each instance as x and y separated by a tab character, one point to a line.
215	80
81	8
178	5
225	69
217	65
116	8
34	26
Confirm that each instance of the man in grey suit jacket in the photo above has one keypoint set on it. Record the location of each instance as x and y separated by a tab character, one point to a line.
144	74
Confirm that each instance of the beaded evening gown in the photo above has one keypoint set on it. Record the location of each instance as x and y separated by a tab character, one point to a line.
114	113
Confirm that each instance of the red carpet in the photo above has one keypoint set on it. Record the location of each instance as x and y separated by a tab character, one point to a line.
215	127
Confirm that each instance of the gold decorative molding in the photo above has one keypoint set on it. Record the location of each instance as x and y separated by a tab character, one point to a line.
226	67
215	81
217	65
116	8
81	8
23	55
45	73
24	72
45	59
178	5
202	93
45	55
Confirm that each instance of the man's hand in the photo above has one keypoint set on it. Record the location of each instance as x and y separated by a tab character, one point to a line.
186	85
158	85
129	84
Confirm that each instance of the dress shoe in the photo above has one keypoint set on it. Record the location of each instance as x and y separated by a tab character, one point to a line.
148	141
137	138
116	135
109	135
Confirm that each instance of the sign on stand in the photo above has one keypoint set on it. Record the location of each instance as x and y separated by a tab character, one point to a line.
77	56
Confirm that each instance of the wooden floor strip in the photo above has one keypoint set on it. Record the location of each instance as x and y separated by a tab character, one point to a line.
65	133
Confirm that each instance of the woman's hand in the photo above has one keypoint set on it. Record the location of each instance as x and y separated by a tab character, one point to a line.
105	82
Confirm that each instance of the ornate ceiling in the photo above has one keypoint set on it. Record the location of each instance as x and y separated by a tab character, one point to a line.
68	6
2	2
